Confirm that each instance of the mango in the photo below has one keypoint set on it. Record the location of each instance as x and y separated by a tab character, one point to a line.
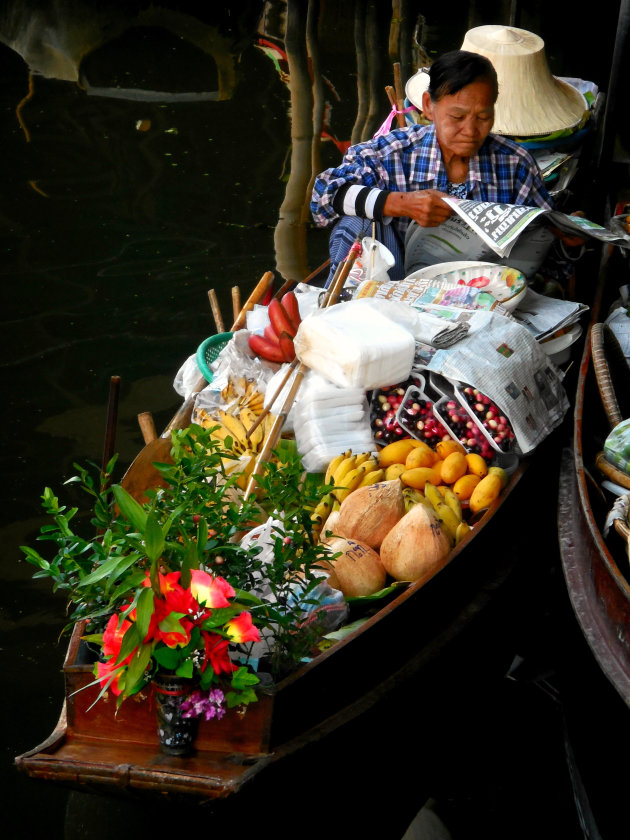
476	464
485	492
445	447
420	456
394	471
464	486
454	467
418	477
501	473
395	453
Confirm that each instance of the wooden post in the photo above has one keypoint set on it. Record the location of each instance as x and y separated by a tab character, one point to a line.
216	312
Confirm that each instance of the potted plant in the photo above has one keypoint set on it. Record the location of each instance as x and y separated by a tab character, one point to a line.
169	587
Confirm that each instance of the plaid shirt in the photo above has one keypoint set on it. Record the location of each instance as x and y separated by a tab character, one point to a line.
410	159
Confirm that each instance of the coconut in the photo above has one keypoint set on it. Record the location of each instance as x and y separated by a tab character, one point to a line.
370	512
331	525
357	571
416	547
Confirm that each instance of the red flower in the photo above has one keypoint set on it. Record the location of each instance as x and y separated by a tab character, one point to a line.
242	629
104	672
217	653
209	591
113	636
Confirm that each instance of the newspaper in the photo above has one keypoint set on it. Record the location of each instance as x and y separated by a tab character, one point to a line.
543	316
420	292
506	363
500	225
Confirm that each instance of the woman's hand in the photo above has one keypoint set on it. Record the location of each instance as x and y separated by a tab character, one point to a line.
426	207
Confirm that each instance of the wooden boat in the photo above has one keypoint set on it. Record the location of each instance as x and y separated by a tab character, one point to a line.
596	567
405	664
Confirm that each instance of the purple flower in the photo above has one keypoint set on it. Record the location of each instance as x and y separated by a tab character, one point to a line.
208	705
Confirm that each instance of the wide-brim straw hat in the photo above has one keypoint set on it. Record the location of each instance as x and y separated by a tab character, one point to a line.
531	100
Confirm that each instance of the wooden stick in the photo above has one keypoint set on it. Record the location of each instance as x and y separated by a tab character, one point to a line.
147	426
112	420
276	428
256	296
216	312
400	95
182	416
267	409
287	285
343	269
236	301
391	95
278	423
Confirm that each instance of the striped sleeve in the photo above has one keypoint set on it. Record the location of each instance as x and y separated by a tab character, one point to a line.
365	202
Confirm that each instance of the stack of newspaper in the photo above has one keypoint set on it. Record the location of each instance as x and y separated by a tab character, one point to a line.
544	316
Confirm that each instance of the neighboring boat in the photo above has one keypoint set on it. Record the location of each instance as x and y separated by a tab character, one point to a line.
596	568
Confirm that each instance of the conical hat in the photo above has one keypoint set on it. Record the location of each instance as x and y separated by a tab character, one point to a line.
531	101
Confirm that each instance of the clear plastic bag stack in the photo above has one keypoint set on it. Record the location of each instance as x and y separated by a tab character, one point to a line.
328	420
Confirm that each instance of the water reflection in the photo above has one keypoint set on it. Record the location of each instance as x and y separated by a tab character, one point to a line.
151	152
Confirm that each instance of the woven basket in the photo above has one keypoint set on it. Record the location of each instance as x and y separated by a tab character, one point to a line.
622	529
612	373
611	472
208	351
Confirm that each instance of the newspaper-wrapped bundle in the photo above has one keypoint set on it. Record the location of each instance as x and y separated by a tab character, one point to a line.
506	363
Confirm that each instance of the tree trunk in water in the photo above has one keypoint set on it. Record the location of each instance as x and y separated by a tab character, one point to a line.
290	232
378	107
363	91
312	44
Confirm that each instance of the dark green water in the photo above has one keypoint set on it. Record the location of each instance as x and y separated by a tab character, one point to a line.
111	237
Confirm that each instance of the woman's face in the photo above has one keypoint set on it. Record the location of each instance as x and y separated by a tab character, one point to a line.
462	120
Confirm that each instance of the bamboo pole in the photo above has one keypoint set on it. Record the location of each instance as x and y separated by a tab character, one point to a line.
147	426
216	311
236	301
262	287
183	414
276	428
112	420
400	95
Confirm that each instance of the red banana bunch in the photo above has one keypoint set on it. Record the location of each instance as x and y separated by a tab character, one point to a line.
276	345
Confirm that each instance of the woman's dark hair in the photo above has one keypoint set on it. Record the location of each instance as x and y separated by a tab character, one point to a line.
454	70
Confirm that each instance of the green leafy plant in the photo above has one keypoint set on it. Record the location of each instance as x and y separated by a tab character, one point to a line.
193	521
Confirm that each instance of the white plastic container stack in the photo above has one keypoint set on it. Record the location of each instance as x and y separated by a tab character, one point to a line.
328	420
354	346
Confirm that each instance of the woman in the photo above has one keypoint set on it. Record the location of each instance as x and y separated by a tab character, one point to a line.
402	176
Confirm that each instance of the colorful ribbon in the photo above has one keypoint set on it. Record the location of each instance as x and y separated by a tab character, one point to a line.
387	125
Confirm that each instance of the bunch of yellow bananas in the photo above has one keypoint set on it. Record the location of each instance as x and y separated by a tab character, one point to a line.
348	472
237	428
244	393
446	506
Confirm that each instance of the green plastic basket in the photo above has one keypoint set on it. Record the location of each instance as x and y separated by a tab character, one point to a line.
208	351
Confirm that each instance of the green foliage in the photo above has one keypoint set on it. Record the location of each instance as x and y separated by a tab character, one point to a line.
196	520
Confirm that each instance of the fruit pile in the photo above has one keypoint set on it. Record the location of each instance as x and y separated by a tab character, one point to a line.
453	482
384	405
417	418
276	344
447	467
490	416
464	428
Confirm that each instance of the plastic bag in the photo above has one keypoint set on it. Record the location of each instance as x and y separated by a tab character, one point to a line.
236	374
617	446
323	604
373	264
